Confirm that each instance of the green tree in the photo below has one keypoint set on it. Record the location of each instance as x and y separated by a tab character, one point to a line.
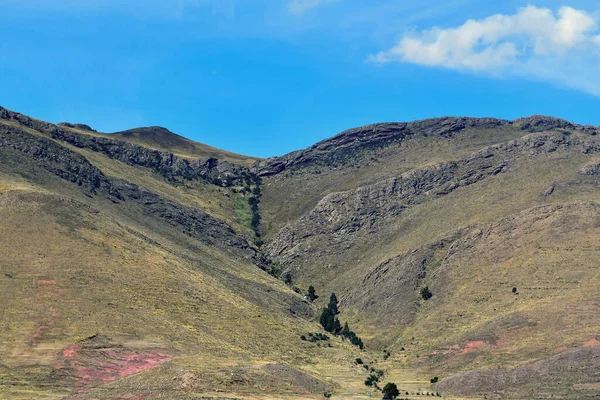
311	294
426	293
346	330
329	319
372	380
390	391
333	304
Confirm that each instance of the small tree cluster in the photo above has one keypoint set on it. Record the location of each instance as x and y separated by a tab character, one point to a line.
372	381
351	336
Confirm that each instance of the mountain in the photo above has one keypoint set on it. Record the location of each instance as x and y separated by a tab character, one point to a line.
159	138
144	265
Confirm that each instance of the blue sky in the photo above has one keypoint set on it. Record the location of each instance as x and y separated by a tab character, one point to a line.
265	77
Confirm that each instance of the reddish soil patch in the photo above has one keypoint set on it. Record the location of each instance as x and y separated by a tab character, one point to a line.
591	343
89	366
41	282
471	346
560	349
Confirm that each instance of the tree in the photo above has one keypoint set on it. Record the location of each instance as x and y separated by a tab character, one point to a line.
311	294
426	293
329	319
346	330
390	391
333	304
372	380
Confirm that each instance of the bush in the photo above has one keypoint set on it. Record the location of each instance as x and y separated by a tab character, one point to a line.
514	290
426	293
358	361
434	379
311	294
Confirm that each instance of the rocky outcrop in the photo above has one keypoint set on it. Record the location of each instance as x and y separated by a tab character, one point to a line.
341	147
76	169
170	166
393	287
337	149
81	127
340	218
591	169
565	373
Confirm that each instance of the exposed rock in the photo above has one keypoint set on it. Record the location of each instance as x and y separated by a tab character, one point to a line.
341	218
82	127
563	373
549	191
340	147
591	169
170	166
75	168
336	149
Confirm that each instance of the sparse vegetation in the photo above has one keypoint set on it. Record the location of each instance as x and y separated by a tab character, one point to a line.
315	337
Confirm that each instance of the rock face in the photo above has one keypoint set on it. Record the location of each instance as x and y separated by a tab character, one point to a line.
591	169
364	211
337	149
565	374
332	151
170	166
76	169
82	127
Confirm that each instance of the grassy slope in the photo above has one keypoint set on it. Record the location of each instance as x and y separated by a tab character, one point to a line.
552	264
73	267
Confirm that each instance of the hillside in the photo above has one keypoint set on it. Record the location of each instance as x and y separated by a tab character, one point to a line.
159	138
133	265
108	282
380	212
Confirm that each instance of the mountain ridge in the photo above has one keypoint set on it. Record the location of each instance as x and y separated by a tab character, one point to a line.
191	272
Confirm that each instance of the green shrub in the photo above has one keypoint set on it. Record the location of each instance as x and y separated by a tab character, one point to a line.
426	293
311	294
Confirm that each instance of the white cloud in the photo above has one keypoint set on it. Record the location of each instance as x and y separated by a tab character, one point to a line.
302	6
535	43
